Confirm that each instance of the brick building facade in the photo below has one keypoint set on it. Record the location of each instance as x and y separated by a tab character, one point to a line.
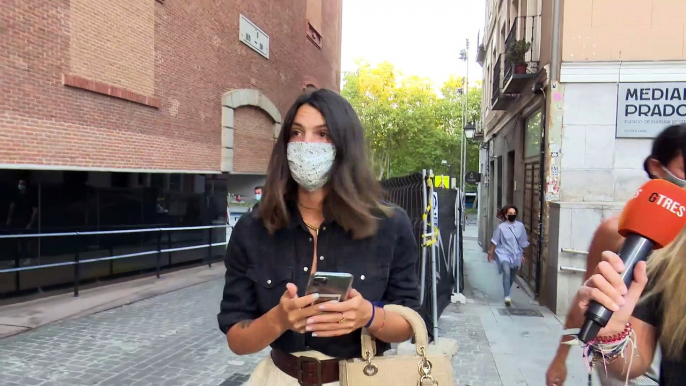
156	72
144	116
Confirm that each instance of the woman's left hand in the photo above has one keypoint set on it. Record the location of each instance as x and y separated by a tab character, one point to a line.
341	318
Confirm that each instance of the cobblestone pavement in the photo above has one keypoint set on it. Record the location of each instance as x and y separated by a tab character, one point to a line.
173	339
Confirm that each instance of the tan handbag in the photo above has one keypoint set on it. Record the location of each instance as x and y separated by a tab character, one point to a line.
421	369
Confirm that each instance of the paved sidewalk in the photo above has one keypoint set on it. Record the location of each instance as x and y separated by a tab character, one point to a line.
173	339
521	346
25	316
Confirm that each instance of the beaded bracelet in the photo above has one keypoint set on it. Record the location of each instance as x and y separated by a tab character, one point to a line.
605	349
371	320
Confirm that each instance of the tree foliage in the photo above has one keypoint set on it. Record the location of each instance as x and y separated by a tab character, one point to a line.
409	125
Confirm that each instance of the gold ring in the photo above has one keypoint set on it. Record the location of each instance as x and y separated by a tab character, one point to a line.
342	318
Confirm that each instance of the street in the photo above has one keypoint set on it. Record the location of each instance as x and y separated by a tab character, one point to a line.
173	339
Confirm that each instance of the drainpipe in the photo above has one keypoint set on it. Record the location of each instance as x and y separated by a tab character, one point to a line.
552	77
541	201
555	58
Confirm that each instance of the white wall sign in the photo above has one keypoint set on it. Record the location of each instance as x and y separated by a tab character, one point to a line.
434	207
253	36
645	109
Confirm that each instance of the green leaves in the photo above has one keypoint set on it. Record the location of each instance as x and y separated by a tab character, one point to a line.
408	125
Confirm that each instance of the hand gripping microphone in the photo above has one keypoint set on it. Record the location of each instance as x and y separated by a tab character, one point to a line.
650	220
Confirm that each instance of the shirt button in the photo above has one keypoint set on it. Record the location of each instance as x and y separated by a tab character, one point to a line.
321	257
269	282
362	277
310	239
305	269
323	228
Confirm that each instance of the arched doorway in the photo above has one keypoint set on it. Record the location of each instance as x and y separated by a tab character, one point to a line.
250	123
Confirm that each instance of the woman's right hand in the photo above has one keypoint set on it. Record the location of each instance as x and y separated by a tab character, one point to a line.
294	311
607	288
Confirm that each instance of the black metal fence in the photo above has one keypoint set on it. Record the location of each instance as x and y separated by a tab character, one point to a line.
99	254
407	192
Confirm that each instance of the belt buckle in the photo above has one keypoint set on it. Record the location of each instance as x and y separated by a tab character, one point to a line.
302	360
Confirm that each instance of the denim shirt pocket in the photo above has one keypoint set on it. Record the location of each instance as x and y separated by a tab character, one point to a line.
270	284
370	280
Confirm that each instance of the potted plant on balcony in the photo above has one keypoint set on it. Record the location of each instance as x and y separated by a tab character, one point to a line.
481	55
515	54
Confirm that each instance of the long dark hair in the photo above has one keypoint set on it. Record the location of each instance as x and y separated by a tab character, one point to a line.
668	144
354	198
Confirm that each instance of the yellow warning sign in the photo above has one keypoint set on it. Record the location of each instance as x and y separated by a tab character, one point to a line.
442	182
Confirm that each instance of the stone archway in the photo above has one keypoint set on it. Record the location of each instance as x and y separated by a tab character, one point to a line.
232	100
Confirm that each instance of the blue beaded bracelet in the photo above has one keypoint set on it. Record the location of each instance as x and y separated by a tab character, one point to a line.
374	305
371	320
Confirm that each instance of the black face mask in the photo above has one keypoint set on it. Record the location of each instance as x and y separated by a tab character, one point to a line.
511	217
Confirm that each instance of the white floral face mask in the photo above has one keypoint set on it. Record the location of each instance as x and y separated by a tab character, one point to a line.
310	163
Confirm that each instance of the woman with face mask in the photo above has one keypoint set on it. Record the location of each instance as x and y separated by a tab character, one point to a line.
321	210
507	248
665	162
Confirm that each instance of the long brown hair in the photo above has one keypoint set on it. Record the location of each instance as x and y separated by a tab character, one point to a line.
667	266
667	275
354	198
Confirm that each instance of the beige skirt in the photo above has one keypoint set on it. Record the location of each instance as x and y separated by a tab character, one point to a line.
266	372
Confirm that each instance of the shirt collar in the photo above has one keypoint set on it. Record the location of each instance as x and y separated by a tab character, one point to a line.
296	219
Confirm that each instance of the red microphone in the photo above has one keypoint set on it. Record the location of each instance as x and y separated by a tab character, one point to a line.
650	220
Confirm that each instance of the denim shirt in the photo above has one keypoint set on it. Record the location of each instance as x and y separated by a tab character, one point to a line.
510	240
259	265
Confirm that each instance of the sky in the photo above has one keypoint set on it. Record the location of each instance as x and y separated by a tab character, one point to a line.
420	37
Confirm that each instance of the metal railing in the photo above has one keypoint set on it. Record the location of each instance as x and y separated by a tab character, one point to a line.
77	262
495	80
574	252
512	37
509	66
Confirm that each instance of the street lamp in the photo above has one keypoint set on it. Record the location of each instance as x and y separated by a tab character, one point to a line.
464	56
469	130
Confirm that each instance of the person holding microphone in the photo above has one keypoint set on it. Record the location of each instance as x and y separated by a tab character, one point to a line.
665	162
629	306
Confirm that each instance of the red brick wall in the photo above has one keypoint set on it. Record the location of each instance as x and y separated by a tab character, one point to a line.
197	57
253	140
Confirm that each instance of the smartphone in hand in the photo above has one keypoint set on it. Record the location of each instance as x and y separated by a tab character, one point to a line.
330	286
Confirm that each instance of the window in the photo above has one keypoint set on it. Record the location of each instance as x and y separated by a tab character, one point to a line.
532	136
120	180
499	187
510	176
175	183
314	22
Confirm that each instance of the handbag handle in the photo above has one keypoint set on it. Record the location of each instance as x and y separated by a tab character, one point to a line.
413	318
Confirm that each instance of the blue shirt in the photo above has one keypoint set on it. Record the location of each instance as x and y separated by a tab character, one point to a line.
510	240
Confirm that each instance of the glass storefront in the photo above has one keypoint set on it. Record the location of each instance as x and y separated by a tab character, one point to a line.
55	204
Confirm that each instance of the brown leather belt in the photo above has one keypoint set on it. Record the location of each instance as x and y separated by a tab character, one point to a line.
308	371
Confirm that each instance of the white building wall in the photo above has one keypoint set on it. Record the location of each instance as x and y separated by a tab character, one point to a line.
596	166
598	172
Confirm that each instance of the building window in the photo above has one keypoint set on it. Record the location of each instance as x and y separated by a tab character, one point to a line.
532	136
314	22
175	183
314	36
499	184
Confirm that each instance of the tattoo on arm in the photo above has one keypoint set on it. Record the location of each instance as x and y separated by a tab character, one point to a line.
245	324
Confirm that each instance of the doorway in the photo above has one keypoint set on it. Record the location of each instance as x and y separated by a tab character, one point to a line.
510	176
532	196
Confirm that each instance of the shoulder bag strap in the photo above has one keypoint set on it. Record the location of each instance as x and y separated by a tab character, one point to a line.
413	318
